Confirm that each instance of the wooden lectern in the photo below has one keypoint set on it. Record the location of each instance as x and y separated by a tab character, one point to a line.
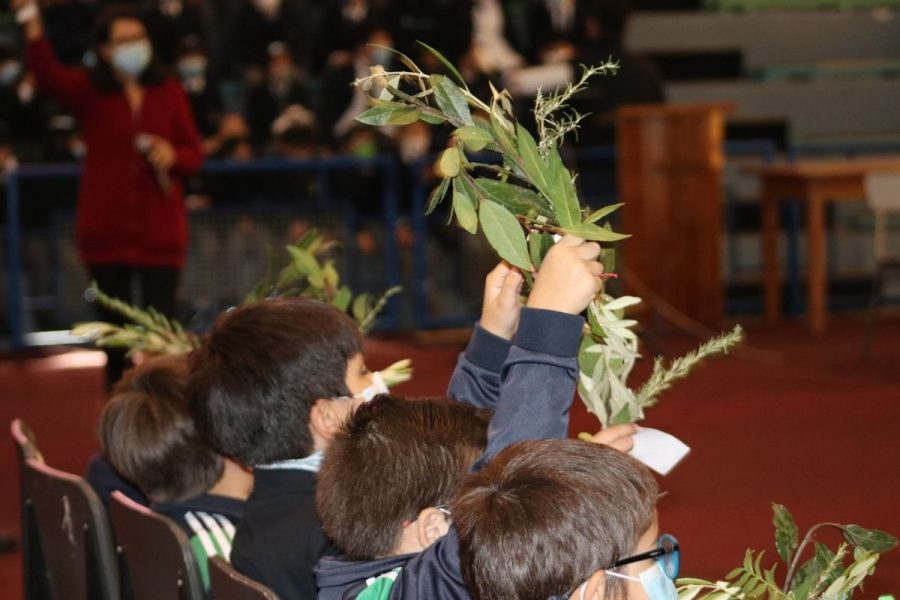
670	159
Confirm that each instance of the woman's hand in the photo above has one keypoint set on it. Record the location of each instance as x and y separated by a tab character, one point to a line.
28	15
162	153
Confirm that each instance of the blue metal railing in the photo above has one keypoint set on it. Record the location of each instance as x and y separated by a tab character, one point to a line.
322	167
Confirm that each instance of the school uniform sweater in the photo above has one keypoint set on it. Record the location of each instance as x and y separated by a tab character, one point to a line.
280	539
538	385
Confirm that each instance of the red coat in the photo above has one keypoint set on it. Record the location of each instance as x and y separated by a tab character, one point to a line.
123	215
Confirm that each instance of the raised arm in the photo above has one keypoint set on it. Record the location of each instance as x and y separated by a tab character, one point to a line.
541	370
69	85
476	379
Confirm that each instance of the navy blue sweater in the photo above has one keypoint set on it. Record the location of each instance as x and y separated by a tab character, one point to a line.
536	387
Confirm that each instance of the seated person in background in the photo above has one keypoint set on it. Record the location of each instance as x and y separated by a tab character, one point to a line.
397	532
563	519
147	434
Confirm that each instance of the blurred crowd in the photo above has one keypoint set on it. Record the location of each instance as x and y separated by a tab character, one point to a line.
272	77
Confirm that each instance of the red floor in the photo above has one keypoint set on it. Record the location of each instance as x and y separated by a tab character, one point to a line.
804	423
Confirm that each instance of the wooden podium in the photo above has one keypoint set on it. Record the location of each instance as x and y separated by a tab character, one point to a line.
670	159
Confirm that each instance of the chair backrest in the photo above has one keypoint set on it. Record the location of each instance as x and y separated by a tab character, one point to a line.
155	554
883	197
228	584
77	550
26	443
34	581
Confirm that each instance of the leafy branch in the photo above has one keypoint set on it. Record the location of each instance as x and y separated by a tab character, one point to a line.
309	274
823	577
523	202
552	115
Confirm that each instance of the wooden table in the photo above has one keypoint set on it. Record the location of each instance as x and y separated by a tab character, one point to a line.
815	183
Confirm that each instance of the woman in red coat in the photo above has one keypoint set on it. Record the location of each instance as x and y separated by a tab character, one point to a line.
141	142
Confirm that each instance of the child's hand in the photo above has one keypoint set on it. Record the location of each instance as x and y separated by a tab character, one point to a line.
616	436
501	307
569	277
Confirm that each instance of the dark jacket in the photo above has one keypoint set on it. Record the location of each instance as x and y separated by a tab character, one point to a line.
536	388
280	539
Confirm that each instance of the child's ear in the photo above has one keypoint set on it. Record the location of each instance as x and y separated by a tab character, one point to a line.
431	526
324	420
592	589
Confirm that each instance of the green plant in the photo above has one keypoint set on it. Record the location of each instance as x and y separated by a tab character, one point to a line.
520	201
824	576
310	274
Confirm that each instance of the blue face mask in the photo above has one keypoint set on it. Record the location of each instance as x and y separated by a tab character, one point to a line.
191	68
657	585
131	58
10	72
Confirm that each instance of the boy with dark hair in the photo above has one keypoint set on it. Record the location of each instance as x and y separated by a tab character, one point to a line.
563	519
532	400
388	469
148	436
270	385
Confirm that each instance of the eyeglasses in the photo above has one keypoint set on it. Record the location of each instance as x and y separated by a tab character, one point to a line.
666	554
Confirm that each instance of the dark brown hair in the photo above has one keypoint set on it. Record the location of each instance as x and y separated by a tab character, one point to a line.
148	436
261	369
394	458
543	516
101	73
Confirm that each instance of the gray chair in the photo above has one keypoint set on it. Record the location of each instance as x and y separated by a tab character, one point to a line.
228	584
883	198
73	530
155	555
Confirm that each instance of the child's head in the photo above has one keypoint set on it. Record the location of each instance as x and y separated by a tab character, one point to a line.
274	380
388	474
148	436
552	518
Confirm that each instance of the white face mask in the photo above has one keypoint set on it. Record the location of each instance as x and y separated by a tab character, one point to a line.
377	387
131	58
655	582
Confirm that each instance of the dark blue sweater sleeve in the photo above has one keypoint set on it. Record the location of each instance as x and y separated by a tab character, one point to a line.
537	381
476	379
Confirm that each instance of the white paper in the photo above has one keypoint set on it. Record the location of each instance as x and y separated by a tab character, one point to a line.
658	450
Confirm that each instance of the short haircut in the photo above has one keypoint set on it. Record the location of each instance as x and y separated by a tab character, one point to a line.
149	438
392	459
543	516
261	369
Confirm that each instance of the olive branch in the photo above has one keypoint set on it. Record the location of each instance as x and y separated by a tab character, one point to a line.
521	200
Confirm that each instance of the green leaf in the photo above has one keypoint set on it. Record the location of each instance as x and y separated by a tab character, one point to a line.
447	163
361	306
304	261
869	539
534	165
785	532
386	113
446	63
608	259
432	119
464	208
538	245
515	198
437	194
562	191
451	100
342	298
505	234
602	212
475	138
404	117
590	231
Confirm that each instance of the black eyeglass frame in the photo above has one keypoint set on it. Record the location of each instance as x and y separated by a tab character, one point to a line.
655	554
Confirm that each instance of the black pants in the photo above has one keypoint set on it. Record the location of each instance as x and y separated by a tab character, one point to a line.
156	287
